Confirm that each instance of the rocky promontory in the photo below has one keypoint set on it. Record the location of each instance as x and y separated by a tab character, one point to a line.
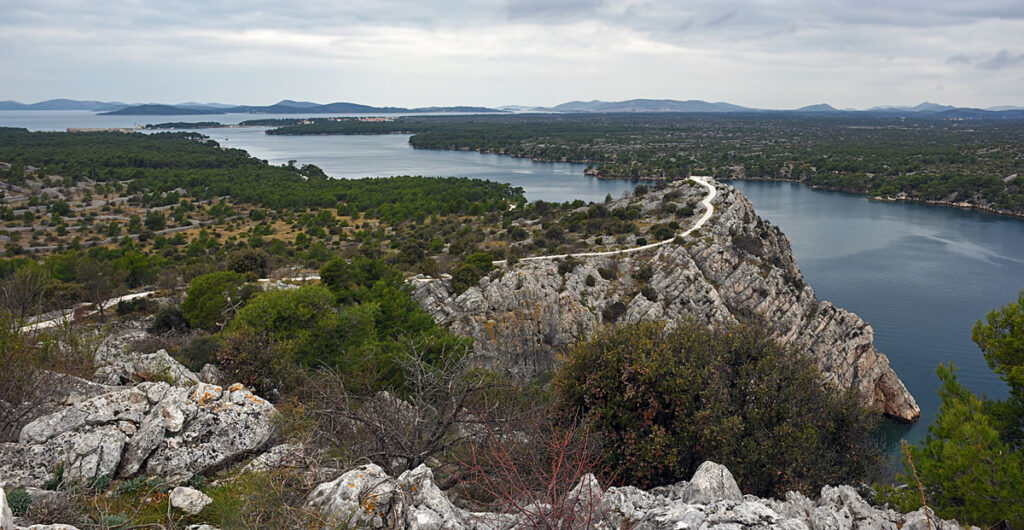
736	266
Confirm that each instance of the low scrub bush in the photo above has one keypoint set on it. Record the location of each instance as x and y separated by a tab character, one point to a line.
666	401
19	501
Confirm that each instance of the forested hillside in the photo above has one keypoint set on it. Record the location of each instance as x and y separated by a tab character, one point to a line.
973	162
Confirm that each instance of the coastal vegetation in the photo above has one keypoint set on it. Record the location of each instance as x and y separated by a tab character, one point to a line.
967	162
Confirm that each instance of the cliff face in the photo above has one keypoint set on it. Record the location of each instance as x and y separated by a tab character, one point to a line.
524	315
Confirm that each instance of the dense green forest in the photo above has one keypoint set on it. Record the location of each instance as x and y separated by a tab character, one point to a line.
162	162
952	161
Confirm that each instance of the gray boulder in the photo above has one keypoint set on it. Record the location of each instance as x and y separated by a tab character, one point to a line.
426	505
711	483
94	453
367	496
360	497
172	432
227	425
189	500
278	457
128	405
211	374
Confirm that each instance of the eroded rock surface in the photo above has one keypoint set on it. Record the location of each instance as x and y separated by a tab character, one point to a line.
172	432
367	497
523	315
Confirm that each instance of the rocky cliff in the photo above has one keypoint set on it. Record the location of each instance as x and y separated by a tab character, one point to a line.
737	265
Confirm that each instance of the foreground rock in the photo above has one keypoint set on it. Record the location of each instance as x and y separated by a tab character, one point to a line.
367	497
189	500
153	428
6	516
524	315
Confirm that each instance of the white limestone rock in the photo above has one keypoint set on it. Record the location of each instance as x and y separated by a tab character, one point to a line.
172	432
6	516
711	483
428	505
360	497
226	426
189	500
279	456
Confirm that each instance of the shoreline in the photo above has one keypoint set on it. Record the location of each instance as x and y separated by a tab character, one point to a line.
886	198
880	198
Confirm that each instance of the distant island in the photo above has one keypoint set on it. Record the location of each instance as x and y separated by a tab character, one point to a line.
290	107
632	106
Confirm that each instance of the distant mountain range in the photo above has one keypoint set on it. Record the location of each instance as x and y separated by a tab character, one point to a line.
62	104
288	106
697	106
670	105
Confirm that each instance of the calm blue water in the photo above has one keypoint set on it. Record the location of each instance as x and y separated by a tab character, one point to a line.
921	275
390	154
358	156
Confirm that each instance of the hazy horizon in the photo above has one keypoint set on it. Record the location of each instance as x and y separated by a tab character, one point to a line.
786	55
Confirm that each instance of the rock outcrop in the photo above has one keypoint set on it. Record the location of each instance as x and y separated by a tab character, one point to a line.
367	497
152	428
736	265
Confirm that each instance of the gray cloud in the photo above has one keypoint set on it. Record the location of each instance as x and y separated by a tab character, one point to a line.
547	8
513	51
1001	60
723	18
961	59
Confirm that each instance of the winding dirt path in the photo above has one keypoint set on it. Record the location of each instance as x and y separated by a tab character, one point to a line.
709	210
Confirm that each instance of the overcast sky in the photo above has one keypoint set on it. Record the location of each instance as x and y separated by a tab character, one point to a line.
766	54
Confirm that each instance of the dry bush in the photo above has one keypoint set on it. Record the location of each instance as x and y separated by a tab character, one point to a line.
398	431
151	343
69	349
528	464
58	508
31	369
21	293
22	382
